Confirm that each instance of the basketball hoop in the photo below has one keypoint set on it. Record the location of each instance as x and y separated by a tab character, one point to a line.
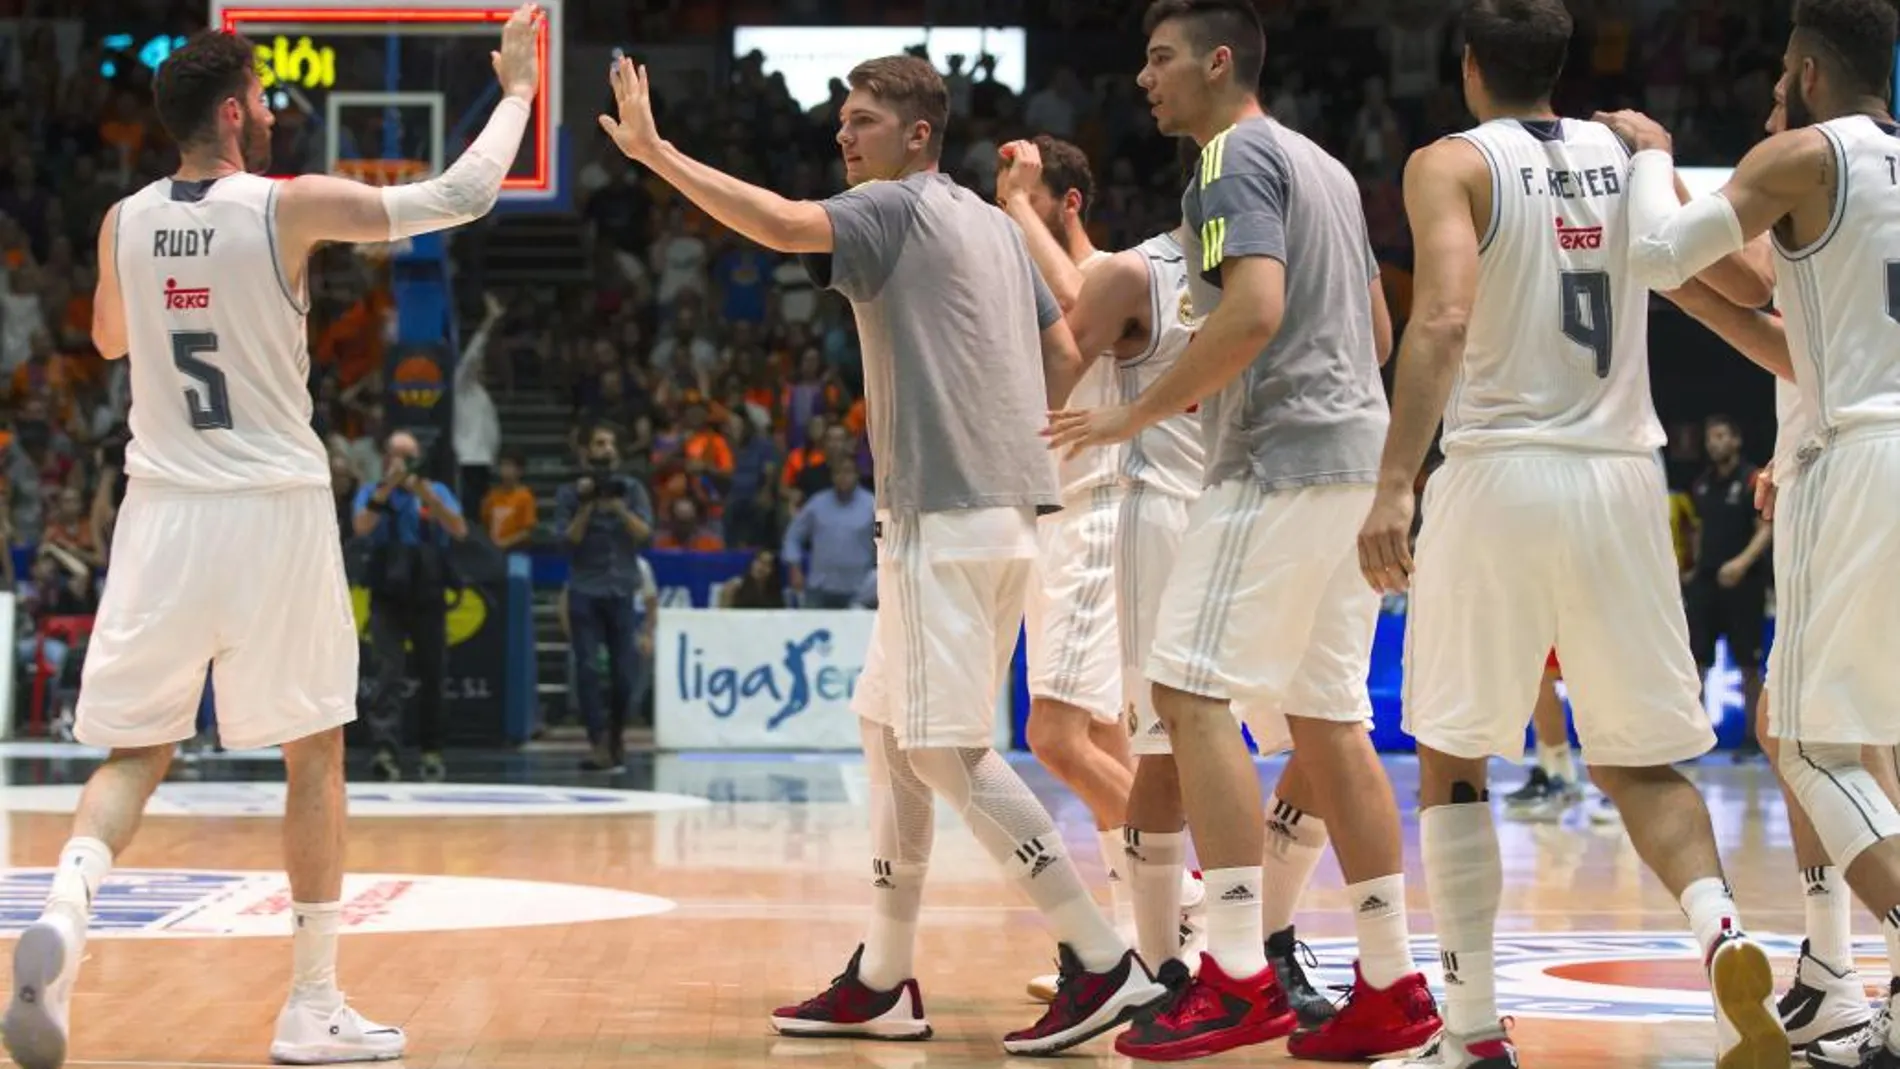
382	172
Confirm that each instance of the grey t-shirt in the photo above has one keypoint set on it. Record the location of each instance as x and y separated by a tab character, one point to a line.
1310	409
950	315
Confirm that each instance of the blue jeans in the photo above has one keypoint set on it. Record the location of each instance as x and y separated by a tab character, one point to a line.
598	621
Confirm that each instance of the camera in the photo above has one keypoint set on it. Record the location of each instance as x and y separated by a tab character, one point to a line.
603	487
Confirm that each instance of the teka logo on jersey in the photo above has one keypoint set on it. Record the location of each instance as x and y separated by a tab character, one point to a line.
184	298
1633	977
1578	237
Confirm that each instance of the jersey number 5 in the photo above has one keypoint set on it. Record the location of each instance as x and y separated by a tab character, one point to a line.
1586	314
208	402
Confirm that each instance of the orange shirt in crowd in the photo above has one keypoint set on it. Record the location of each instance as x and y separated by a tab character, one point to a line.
52	380
354	343
127	137
799	460
710	447
507	513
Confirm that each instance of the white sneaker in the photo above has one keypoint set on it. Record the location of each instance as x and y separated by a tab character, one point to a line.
1748	1032
1483	1050
308	1034
1821	1003
45	964
1859	1047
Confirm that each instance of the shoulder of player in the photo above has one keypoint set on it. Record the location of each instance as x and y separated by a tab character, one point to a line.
1448	161
1251	147
1792	158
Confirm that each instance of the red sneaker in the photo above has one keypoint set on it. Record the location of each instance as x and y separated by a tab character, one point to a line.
849	1009
1086	1004
1213	1013
1372	1023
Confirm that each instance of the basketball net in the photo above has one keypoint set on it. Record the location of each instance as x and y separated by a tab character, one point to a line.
382	172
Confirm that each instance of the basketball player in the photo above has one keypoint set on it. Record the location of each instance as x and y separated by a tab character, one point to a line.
224	468
1133	308
1825	189
1545	526
1264	614
1075	614
960	332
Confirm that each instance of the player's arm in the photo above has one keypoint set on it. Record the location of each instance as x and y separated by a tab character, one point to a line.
1099	317
1671	242
108	309
1746	277
1445	185
1759	336
1252	306
795	226
1062	361
1018	171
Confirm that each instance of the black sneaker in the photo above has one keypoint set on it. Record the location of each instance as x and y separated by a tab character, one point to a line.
1284	953
1535	791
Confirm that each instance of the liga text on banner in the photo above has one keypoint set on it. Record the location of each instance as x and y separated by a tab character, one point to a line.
758	679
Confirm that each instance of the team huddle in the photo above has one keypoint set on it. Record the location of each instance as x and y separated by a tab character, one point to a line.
1178	462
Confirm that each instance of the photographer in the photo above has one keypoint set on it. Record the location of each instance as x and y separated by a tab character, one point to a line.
410	522
606	518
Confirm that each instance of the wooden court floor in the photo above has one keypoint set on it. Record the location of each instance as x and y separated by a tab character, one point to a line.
761	861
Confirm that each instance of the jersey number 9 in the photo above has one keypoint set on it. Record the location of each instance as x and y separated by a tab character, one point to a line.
1585	317
208	402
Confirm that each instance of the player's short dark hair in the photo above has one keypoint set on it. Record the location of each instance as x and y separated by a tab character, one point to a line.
1209	24
912	88
211	67
1519	46
1066	167
1857	36
1722	419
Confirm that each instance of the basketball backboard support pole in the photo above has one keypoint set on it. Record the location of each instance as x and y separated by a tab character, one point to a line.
538	183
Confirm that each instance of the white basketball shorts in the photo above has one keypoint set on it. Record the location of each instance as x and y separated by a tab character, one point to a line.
1071	645
950	592
1147	543
1522	552
251	585
1837	576
1265	607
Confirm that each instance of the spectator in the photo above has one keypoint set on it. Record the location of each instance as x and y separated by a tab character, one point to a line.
21	316
343	487
509	510
477	426
69	530
678	260
685	354
829	547
760	587
744	278
606	518
684	530
410	522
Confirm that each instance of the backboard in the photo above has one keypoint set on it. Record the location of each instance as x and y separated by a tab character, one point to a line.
410	81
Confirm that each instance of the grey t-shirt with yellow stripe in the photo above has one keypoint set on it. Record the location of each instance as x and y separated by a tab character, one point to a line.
1310	410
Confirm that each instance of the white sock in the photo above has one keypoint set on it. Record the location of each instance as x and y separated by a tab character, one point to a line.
1465	877
1711	910
1824	894
1121	898
313	953
1233	921
1385	943
1556	761
897	896
1296	840
1155	863
1050	879
83	866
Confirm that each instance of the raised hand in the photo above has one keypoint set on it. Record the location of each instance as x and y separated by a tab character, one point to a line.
632	127
518	63
1019	169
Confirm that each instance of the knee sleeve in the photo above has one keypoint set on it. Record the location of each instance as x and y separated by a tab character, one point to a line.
903	814
990	797
1845	804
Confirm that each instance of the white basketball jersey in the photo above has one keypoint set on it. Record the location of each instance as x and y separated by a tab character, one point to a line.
1170	455
1794	425
1556	351
218	354
1840	297
1096	389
